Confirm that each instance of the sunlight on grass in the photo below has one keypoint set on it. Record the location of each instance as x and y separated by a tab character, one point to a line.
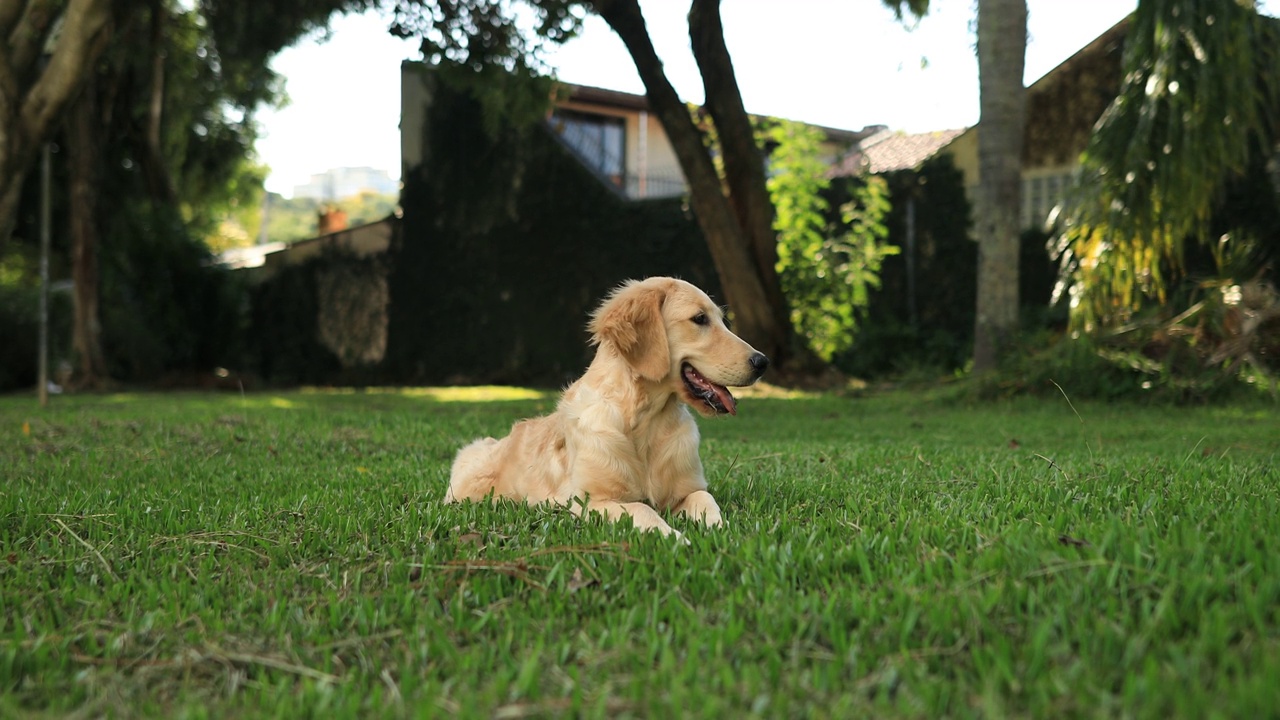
121	398
765	390
481	393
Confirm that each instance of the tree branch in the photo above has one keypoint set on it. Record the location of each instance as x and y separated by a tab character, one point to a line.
27	39
80	42
733	261
9	14
159	180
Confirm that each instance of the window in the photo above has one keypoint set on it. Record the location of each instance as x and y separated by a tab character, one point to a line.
600	140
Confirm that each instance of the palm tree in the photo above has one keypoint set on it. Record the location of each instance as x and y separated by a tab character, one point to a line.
1002	45
1197	101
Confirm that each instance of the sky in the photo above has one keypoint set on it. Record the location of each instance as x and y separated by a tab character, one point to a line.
839	63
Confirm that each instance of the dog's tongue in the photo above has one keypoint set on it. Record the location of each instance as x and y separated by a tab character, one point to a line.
722	394
727	399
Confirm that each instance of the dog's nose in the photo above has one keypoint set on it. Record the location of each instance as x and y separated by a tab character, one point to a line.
759	363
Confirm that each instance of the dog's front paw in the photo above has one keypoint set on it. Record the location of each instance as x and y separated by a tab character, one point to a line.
712	518
701	507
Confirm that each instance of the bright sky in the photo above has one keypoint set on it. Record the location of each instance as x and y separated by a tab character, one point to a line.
839	63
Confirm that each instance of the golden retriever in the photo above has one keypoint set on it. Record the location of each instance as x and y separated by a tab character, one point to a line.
622	440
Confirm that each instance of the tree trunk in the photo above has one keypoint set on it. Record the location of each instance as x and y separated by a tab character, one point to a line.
159	179
1002	44
84	162
760	319
743	159
32	98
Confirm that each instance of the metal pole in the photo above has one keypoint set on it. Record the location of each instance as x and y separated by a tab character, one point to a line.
912	313
46	163
642	155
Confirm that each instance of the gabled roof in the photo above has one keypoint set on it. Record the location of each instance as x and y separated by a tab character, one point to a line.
891	150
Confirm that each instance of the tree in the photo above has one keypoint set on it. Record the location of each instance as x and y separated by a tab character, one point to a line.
34	94
84	172
1197	108
827	269
734	211
157	140
1002	44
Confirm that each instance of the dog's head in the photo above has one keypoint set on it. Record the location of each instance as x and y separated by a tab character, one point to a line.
671	334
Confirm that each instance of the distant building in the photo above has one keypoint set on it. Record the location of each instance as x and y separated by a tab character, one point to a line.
340	183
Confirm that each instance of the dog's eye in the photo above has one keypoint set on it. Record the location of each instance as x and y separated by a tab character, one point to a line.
701	319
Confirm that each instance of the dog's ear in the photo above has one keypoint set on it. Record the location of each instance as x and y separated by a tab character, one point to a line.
631	321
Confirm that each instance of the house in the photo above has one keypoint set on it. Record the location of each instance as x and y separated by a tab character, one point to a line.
612	133
338	183
1062	108
366	240
495	217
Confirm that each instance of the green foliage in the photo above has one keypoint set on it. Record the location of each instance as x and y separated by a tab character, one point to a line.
1198	100
367	207
495	34
20	318
292	219
506	245
287	555
241	216
492	49
286	346
509	242
826	269
243	35
1210	354
937	338
208	129
166	307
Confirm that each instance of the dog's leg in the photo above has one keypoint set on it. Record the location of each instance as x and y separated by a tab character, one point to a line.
643	517
699	505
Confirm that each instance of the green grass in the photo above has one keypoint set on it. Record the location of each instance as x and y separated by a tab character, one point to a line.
893	556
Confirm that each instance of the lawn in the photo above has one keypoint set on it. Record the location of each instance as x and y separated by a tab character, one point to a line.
895	555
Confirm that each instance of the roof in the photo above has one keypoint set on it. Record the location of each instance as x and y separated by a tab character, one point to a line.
604	97
1104	43
891	150
608	98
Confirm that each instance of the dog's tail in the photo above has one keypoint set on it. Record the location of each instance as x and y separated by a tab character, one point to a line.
474	472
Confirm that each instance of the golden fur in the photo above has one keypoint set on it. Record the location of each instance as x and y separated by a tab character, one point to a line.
622	438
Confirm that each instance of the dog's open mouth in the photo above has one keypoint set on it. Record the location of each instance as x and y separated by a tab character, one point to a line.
716	397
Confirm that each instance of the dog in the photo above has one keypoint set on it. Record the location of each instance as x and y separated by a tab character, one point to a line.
622	440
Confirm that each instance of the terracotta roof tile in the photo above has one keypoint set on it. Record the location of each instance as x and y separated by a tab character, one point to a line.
890	150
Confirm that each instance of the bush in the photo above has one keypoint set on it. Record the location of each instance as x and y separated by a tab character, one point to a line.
1226	346
166	306
287	347
20	320
508	242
